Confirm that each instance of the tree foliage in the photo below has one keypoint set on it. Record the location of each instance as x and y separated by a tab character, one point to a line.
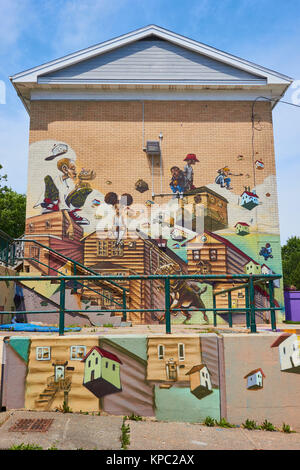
12	209
291	262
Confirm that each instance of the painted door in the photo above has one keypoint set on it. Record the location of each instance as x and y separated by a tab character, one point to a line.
59	373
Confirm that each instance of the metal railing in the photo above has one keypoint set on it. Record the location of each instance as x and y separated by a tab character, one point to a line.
245	281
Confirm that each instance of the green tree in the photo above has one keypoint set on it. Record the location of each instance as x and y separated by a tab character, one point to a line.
12	209
291	262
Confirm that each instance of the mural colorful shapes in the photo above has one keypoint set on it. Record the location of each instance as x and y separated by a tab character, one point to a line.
102	372
259	165
141	186
266	251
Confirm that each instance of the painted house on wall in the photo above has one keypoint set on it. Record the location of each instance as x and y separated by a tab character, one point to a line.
289	353
255	379
200	381
169	359
102	372
249	199
95	114
242	228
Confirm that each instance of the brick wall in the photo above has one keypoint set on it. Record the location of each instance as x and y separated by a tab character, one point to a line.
108	137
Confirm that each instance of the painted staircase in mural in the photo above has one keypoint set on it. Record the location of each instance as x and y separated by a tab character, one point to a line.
54	385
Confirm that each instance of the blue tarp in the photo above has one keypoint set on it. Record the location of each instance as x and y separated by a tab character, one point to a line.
31	327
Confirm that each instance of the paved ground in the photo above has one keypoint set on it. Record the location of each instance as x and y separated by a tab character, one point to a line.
153	329
76	431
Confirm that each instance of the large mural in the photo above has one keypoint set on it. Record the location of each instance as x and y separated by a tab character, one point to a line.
170	377
189	228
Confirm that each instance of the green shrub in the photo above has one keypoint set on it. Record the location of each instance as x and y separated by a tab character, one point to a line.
267	426
210	422
223	423
25	447
250	424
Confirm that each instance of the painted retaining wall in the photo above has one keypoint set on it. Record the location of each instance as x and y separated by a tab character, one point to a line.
170	377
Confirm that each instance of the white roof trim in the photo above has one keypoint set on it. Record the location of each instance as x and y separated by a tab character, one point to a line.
32	75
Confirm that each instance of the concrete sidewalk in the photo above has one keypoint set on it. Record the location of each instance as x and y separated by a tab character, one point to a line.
73	431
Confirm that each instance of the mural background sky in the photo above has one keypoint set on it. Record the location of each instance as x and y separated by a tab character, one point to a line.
263	31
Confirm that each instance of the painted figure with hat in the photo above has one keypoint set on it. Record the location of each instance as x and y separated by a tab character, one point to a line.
191	159
67	191
223	178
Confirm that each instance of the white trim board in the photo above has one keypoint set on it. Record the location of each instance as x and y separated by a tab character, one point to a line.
162	95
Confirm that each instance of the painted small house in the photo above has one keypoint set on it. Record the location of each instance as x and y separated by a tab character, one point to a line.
289	353
249	200
255	379
266	270
252	267
200	381
102	372
241	228
259	165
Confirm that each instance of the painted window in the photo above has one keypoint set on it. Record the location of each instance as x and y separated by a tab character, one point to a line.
77	352
114	367
109	248
196	255
35	252
106	365
181	351
213	255
43	353
161	351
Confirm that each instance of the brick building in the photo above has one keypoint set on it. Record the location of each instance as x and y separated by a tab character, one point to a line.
94	115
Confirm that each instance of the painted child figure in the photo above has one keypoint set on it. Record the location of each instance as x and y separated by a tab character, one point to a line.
178	180
191	159
223	178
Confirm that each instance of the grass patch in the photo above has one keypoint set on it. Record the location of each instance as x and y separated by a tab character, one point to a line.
108	325
64	408
267	426
134	417
287	428
250	424
210	422
25	447
125	436
223	423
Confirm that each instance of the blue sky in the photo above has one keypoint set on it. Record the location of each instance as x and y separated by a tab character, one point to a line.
263	31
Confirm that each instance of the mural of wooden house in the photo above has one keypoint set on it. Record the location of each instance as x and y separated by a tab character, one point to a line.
51	230
255	379
215	207
219	253
169	359
242	228
249	199
137	254
55	368
200	381
289	353
102	372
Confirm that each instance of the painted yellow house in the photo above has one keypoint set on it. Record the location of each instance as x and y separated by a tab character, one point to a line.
102	372
55	372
